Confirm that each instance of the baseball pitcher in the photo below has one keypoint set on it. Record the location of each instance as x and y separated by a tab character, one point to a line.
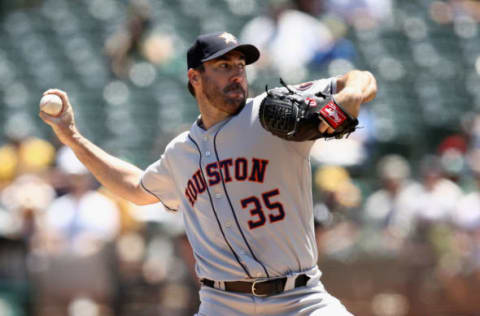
241	176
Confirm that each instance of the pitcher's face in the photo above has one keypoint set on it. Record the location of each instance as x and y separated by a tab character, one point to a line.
224	82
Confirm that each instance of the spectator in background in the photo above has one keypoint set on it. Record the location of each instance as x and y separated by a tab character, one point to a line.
335	227
25	200
78	227
467	213
24	154
439	195
353	10
458	248
292	38
338	192
392	207
126	43
466	8
82	216
434	208
140	41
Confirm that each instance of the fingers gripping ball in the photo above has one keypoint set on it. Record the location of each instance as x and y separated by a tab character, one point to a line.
51	104
294	117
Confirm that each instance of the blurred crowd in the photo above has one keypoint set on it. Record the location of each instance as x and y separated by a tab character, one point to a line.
398	231
420	216
69	247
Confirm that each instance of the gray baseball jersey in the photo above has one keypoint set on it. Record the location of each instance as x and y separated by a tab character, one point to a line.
245	194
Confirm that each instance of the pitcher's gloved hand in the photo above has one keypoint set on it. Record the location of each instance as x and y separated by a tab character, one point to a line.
291	116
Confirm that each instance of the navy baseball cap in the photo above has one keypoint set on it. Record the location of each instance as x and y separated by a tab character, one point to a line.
213	45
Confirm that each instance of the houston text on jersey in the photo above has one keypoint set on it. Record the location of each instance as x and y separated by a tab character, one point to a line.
240	169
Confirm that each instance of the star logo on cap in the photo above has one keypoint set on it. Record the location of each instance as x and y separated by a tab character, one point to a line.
228	38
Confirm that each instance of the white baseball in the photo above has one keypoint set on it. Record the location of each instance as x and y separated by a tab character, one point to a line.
51	104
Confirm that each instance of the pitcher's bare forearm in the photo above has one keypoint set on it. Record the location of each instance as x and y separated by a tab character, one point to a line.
354	88
358	84
118	176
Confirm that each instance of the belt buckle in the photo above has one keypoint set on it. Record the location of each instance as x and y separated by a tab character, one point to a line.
262	280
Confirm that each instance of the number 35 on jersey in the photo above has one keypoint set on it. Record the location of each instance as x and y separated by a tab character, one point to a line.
239	169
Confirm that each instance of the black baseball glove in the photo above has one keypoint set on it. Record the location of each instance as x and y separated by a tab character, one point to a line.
294	117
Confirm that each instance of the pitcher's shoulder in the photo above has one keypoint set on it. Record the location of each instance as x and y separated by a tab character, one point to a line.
177	142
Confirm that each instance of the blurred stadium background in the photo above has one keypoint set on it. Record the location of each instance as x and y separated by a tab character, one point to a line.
397	204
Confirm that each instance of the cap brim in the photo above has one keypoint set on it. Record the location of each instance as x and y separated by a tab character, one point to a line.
251	53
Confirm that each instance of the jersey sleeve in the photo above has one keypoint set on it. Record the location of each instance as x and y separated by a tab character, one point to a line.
322	86
157	181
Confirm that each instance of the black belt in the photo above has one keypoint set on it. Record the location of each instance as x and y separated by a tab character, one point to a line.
259	287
